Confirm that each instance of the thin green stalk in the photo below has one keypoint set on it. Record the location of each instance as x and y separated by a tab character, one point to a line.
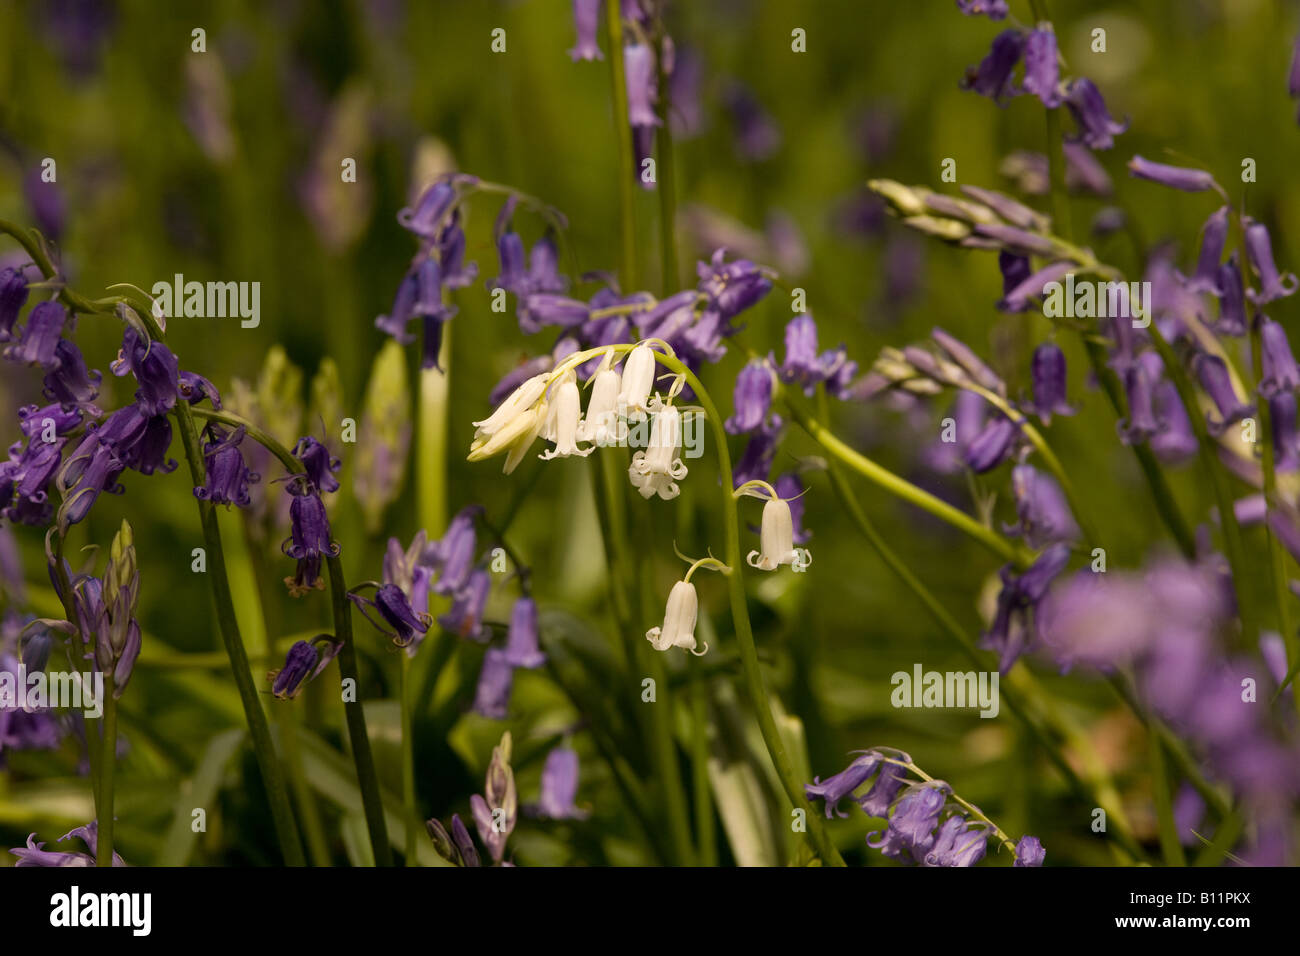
107	766
629	263
1170	845
820	839
367	780
706	842
990	539
259	732
408	758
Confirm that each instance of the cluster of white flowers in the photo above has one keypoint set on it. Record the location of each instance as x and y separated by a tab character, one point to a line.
549	406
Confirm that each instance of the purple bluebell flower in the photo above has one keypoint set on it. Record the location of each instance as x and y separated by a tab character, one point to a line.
522	648
1175	441
752	398
1175	177
464	842
1015	269
304	662
1141	423
757	137
227	476
449	245
397	319
1232	305
993	9
1286	441
1029	851
639	75
559	787
1044	513
33	420
993	77
957	843
586	22
1017	299
13	295
1217	382
842	784
756	461
1214	235
1047	372
1096	128
397	618
309	539
35	854
40	336
155	370
877	801
539	309
1042	70
1084	173
544	267
838	371
424	218
1014	629
495	680
801	365
687	116
993	445
910	833
453	555
318	463
23	728
1272	285
732	287
1281	373
194	388
465	618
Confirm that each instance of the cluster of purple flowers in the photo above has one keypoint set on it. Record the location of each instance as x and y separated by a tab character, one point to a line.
917	832
309	538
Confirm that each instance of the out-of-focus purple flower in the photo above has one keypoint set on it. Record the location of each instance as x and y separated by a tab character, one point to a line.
559	787
318	464
1217	382
756	461
465	618
1017	299
993	445
155	370
732	287
35	854
877	801
1029	851
1044	513
1175	177
639	73
1286	441
40	336
586	22
304	662
801	365
1042	70
25	728
522	649
46	203
1083	173
686	117
453	555
450	248
1096	128
1015	626
968	414
1213	236
993	77
993	9
543	308
1281	373
495	680
424	218
309	538
842	784
227	476
1175	441
1141	423
1272	285
752	398
13	295
1047	373
1232	305
1015	269
757	136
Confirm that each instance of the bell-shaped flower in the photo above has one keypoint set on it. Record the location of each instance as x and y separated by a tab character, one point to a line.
777	540
495	680
638	380
1030	852
1273	285
600	425
565	422
515	404
586	21
842	785
678	629
958	843
657	469
303	663
40	336
13	295
522	641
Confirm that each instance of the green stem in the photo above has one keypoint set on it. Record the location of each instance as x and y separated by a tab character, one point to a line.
408	758
107	766
990	539
820	839
629	264
706	852
367	780
259	731
1170	845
